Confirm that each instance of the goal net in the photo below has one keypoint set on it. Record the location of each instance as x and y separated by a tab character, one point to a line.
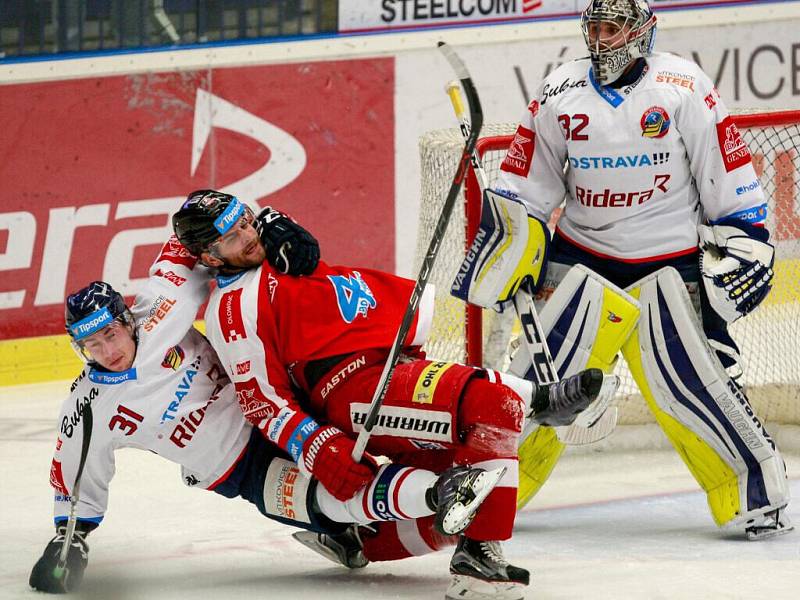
769	338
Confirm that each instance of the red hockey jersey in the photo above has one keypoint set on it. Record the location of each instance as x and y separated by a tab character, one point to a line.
261	322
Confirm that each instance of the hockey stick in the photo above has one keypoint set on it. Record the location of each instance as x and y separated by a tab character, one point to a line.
597	421
476	117
60	571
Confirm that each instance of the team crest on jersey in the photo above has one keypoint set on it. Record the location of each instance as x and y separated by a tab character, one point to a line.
520	153
272	285
733	148
57	478
175	252
352	295
173	358
252	402
655	122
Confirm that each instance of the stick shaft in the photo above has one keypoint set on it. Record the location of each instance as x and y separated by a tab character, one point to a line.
428	261
536	342
88	423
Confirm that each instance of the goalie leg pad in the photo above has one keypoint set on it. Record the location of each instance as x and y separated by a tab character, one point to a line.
586	320
538	454
509	248
704	414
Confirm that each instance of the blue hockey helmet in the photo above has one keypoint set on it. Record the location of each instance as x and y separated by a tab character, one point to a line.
91	309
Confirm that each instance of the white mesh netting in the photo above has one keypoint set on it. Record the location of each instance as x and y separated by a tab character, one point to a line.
768	338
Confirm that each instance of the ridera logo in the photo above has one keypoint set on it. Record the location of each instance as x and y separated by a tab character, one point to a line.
609	199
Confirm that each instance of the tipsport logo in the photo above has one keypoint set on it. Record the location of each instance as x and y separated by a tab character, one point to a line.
91	324
229	217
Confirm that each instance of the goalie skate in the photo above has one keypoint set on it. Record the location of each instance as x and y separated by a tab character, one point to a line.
344	549
459	492
770	524
481	572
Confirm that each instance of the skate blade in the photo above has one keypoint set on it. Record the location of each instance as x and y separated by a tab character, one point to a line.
596	409
766	534
460	515
469	588
575	435
756	534
310	540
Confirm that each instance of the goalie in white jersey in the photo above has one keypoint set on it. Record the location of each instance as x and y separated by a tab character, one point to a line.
154	383
665	214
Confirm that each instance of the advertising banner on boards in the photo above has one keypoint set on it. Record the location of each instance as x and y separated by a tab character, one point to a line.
93	168
374	15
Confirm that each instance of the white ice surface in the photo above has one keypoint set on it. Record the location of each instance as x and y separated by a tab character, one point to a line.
607	525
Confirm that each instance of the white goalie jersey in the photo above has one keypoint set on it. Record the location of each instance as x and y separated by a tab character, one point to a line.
646	163
175	401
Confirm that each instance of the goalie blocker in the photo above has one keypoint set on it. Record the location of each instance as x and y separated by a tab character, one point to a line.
509	250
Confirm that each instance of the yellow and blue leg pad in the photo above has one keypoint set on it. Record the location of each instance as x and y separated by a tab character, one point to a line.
702	411
586	320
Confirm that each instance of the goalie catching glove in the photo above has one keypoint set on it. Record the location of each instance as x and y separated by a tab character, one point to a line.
736	268
509	249
44	577
290	248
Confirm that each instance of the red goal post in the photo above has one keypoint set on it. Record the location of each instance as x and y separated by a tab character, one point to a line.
769	338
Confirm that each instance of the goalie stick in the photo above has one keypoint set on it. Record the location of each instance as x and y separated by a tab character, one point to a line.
597	421
60	571
476	118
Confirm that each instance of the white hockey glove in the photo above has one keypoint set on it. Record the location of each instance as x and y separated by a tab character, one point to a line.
509	249
736	268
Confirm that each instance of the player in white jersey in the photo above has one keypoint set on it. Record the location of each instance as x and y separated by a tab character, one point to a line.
661	199
154	383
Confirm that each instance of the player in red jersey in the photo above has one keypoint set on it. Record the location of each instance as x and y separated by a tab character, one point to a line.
316	344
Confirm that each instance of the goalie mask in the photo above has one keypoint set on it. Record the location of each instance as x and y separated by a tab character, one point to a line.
617	32
101	326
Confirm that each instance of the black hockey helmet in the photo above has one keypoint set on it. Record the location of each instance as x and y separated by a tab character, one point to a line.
204	217
92	308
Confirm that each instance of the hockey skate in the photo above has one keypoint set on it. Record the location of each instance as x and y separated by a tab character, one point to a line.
344	549
481	572
560	403
770	524
457	495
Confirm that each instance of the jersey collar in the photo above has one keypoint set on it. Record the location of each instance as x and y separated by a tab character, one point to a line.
626	83
225	280
609	94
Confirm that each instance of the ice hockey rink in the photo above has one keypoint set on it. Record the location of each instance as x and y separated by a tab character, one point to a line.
621	525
